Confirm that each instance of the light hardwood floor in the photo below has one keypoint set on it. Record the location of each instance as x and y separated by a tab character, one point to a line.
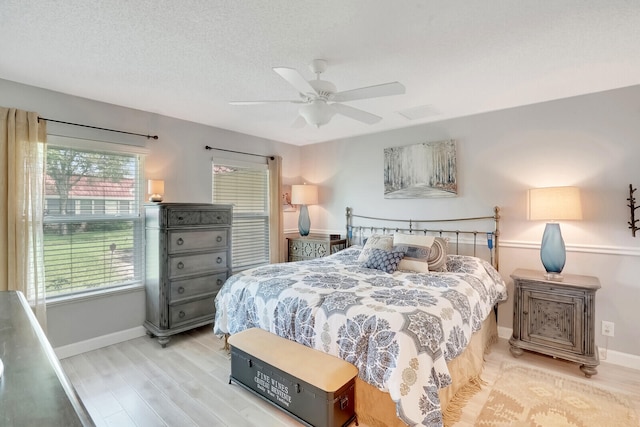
138	383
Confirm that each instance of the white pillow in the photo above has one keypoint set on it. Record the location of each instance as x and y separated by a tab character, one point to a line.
438	254
416	250
376	241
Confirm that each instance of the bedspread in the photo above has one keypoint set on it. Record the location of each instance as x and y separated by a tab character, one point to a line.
398	329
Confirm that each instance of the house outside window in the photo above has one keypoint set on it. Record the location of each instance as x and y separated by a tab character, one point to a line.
93	223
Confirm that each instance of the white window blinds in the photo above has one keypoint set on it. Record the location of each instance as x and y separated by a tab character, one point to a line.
93	227
247	189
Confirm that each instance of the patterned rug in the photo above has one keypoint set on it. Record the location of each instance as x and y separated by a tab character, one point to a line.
523	396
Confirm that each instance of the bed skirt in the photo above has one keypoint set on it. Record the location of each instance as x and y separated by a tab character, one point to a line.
376	409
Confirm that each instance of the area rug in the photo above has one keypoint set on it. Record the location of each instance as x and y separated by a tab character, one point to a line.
523	396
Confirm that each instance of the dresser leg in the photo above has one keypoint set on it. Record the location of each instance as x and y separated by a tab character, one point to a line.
515	351
589	370
163	341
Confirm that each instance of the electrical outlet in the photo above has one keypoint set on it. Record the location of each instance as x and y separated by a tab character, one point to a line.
608	328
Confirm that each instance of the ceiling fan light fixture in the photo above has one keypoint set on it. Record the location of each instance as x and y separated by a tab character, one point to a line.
317	113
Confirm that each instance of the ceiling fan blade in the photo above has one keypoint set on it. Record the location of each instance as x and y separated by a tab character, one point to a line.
297	101
295	79
385	89
299	123
356	114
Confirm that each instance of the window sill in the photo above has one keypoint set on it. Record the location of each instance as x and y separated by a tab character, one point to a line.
93	295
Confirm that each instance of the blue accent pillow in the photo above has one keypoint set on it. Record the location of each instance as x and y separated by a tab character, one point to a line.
386	261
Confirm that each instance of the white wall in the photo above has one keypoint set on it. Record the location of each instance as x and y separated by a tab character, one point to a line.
178	157
590	141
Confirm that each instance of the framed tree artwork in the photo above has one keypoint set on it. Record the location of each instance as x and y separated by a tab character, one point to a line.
420	171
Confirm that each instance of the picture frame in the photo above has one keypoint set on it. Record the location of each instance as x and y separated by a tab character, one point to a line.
420	171
287	206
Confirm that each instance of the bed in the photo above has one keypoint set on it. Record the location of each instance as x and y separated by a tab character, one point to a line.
417	337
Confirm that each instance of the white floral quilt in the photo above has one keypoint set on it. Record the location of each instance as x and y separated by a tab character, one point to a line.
398	329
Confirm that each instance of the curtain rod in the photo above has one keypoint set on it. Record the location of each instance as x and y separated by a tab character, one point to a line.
99	128
207	147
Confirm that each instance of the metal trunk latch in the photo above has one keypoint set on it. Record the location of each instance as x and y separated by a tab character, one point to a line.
344	402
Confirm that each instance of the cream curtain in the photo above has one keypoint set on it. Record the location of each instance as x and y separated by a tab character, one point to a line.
22	169
276	236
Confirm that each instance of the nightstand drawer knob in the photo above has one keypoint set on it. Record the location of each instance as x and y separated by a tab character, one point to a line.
181	290
181	314
180	265
219	260
219	239
180	241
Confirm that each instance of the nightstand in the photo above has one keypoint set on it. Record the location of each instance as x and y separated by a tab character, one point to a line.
556	318
313	246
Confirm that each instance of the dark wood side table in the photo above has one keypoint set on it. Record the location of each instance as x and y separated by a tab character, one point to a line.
556	318
312	246
34	390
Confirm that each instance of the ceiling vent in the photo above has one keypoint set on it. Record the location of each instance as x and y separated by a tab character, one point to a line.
420	112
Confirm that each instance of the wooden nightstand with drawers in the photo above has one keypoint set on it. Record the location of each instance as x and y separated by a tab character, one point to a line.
312	246
556	318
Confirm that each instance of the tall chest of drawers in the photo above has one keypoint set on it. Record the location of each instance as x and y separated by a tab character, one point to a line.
188	259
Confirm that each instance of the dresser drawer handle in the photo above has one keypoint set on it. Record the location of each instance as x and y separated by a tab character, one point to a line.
219	239
180	218
181	290
181	314
180	241
218	217
219	282
180	265
219	260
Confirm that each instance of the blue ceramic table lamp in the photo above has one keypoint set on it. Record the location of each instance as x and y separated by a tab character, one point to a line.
304	195
554	204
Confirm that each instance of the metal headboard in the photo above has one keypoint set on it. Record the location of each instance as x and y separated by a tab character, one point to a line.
355	233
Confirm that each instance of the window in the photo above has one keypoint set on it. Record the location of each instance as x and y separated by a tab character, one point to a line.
246	187
93	227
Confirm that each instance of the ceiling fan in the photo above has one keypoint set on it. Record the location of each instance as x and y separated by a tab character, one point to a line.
319	98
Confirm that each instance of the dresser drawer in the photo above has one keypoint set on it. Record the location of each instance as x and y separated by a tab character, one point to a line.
183	313
179	217
186	288
183	241
184	265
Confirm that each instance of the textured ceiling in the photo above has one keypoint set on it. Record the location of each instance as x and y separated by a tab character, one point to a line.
187	59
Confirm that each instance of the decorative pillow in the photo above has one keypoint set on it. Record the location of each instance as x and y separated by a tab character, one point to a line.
386	261
438	254
376	241
416	251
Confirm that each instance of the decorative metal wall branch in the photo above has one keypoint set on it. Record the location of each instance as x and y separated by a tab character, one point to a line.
633	207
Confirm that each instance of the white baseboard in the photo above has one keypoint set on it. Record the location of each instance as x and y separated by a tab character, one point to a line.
99	342
614	357
622	359
505	332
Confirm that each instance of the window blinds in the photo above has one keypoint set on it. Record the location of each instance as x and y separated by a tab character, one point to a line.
246	188
93	227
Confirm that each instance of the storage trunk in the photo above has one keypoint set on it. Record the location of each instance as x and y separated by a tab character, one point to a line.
305	402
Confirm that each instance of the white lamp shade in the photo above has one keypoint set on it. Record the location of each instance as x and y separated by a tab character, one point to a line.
155	186
304	194
554	204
